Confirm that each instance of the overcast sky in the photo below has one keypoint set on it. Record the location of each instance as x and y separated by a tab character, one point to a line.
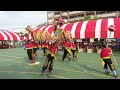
20	19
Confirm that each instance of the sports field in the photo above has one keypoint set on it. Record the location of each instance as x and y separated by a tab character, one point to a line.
14	65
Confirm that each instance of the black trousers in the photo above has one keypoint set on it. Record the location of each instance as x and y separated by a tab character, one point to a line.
108	62
35	50
48	63
73	53
65	54
44	50
29	53
63	48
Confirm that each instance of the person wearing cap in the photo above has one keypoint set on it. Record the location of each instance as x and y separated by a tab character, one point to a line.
50	59
105	55
29	48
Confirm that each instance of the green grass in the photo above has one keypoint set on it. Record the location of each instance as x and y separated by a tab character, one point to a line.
14	65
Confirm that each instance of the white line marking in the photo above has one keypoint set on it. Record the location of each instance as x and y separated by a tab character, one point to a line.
11	56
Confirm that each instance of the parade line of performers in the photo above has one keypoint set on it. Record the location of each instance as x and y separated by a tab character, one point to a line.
50	50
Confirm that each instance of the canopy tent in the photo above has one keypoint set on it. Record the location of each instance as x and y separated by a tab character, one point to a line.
90	28
9	35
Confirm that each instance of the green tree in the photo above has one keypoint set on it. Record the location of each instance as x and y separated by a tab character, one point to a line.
42	24
87	18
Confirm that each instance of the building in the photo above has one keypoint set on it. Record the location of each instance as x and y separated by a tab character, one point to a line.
50	17
72	16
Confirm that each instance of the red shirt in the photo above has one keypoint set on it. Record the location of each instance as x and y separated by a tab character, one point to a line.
45	44
63	43
52	48
105	52
36	44
73	46
67	44
29	45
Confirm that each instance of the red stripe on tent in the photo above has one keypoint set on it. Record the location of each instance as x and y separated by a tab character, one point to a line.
104	28
14	37
8	38
1	37
117	31
69	26
90	29
77	31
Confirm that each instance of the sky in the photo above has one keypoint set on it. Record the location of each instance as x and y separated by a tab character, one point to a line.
11	20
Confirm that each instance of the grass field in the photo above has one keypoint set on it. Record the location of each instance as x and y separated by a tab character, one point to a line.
14	65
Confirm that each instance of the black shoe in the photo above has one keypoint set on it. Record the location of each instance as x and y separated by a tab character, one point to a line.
107	73
116	76
42	72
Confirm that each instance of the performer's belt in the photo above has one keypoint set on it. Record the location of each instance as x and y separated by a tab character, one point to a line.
44	46
35	47
28	48
105	57
53	55
68	50
73	48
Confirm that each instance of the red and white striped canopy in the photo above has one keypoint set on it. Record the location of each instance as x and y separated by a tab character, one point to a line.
9	35
90	28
